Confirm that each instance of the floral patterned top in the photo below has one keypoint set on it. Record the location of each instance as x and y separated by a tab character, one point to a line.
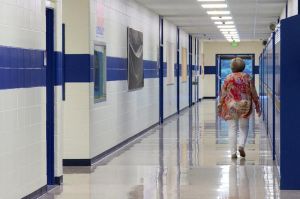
237	95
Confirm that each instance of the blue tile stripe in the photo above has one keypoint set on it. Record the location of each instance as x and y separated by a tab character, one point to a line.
210	70
21	68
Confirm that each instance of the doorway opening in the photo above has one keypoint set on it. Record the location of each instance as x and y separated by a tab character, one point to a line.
223	67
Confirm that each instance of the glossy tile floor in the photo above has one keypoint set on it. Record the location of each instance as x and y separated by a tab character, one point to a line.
187	158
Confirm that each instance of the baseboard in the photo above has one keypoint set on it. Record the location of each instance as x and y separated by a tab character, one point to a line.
77	162
204	98
90	162
59	180
38	193
170	116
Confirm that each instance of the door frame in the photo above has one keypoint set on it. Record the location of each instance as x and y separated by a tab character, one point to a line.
218	70
50	72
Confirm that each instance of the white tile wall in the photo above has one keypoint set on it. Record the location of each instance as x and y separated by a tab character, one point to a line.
125	113
23	141
23	111
21	23
170	91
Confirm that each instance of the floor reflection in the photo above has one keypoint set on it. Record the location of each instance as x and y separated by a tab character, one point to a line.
188	157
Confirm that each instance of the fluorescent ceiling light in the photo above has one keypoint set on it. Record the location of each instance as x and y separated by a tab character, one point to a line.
218	12
214	5
222	18
211	0
224	22
228	30
226	26
218	22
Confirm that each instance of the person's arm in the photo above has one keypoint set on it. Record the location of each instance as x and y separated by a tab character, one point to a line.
255	97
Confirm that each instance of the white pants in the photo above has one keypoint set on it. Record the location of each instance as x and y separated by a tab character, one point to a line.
233	126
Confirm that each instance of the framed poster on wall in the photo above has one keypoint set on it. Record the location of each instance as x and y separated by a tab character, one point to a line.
184	65
170	63
135	59
99	73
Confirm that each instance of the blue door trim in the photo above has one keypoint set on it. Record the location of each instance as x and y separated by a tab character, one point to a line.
190	70
63	62
273	95
178	71
161	70
50	71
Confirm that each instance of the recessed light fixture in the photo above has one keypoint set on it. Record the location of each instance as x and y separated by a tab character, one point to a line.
226	26
218	12
222	18
214	5
211	0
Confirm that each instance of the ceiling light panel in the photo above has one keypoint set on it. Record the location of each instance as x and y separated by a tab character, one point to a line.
226	26
218	12
211	0
214	5
222	18
228	30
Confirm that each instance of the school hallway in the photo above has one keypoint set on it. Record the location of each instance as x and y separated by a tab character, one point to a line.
187	158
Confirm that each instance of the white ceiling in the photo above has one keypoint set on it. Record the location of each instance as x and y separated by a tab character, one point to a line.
251	17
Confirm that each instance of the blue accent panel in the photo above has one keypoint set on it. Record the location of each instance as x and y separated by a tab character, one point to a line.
210	70
21	68
289	107
78	67
58	68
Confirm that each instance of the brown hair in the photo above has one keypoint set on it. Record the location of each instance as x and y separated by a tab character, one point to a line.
237	65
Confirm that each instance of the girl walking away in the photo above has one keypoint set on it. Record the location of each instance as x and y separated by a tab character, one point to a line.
237	97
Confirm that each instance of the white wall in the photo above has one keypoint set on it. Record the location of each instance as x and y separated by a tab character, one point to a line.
76	115
292	9
170	91
124	113
184	86
22	110
211	48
